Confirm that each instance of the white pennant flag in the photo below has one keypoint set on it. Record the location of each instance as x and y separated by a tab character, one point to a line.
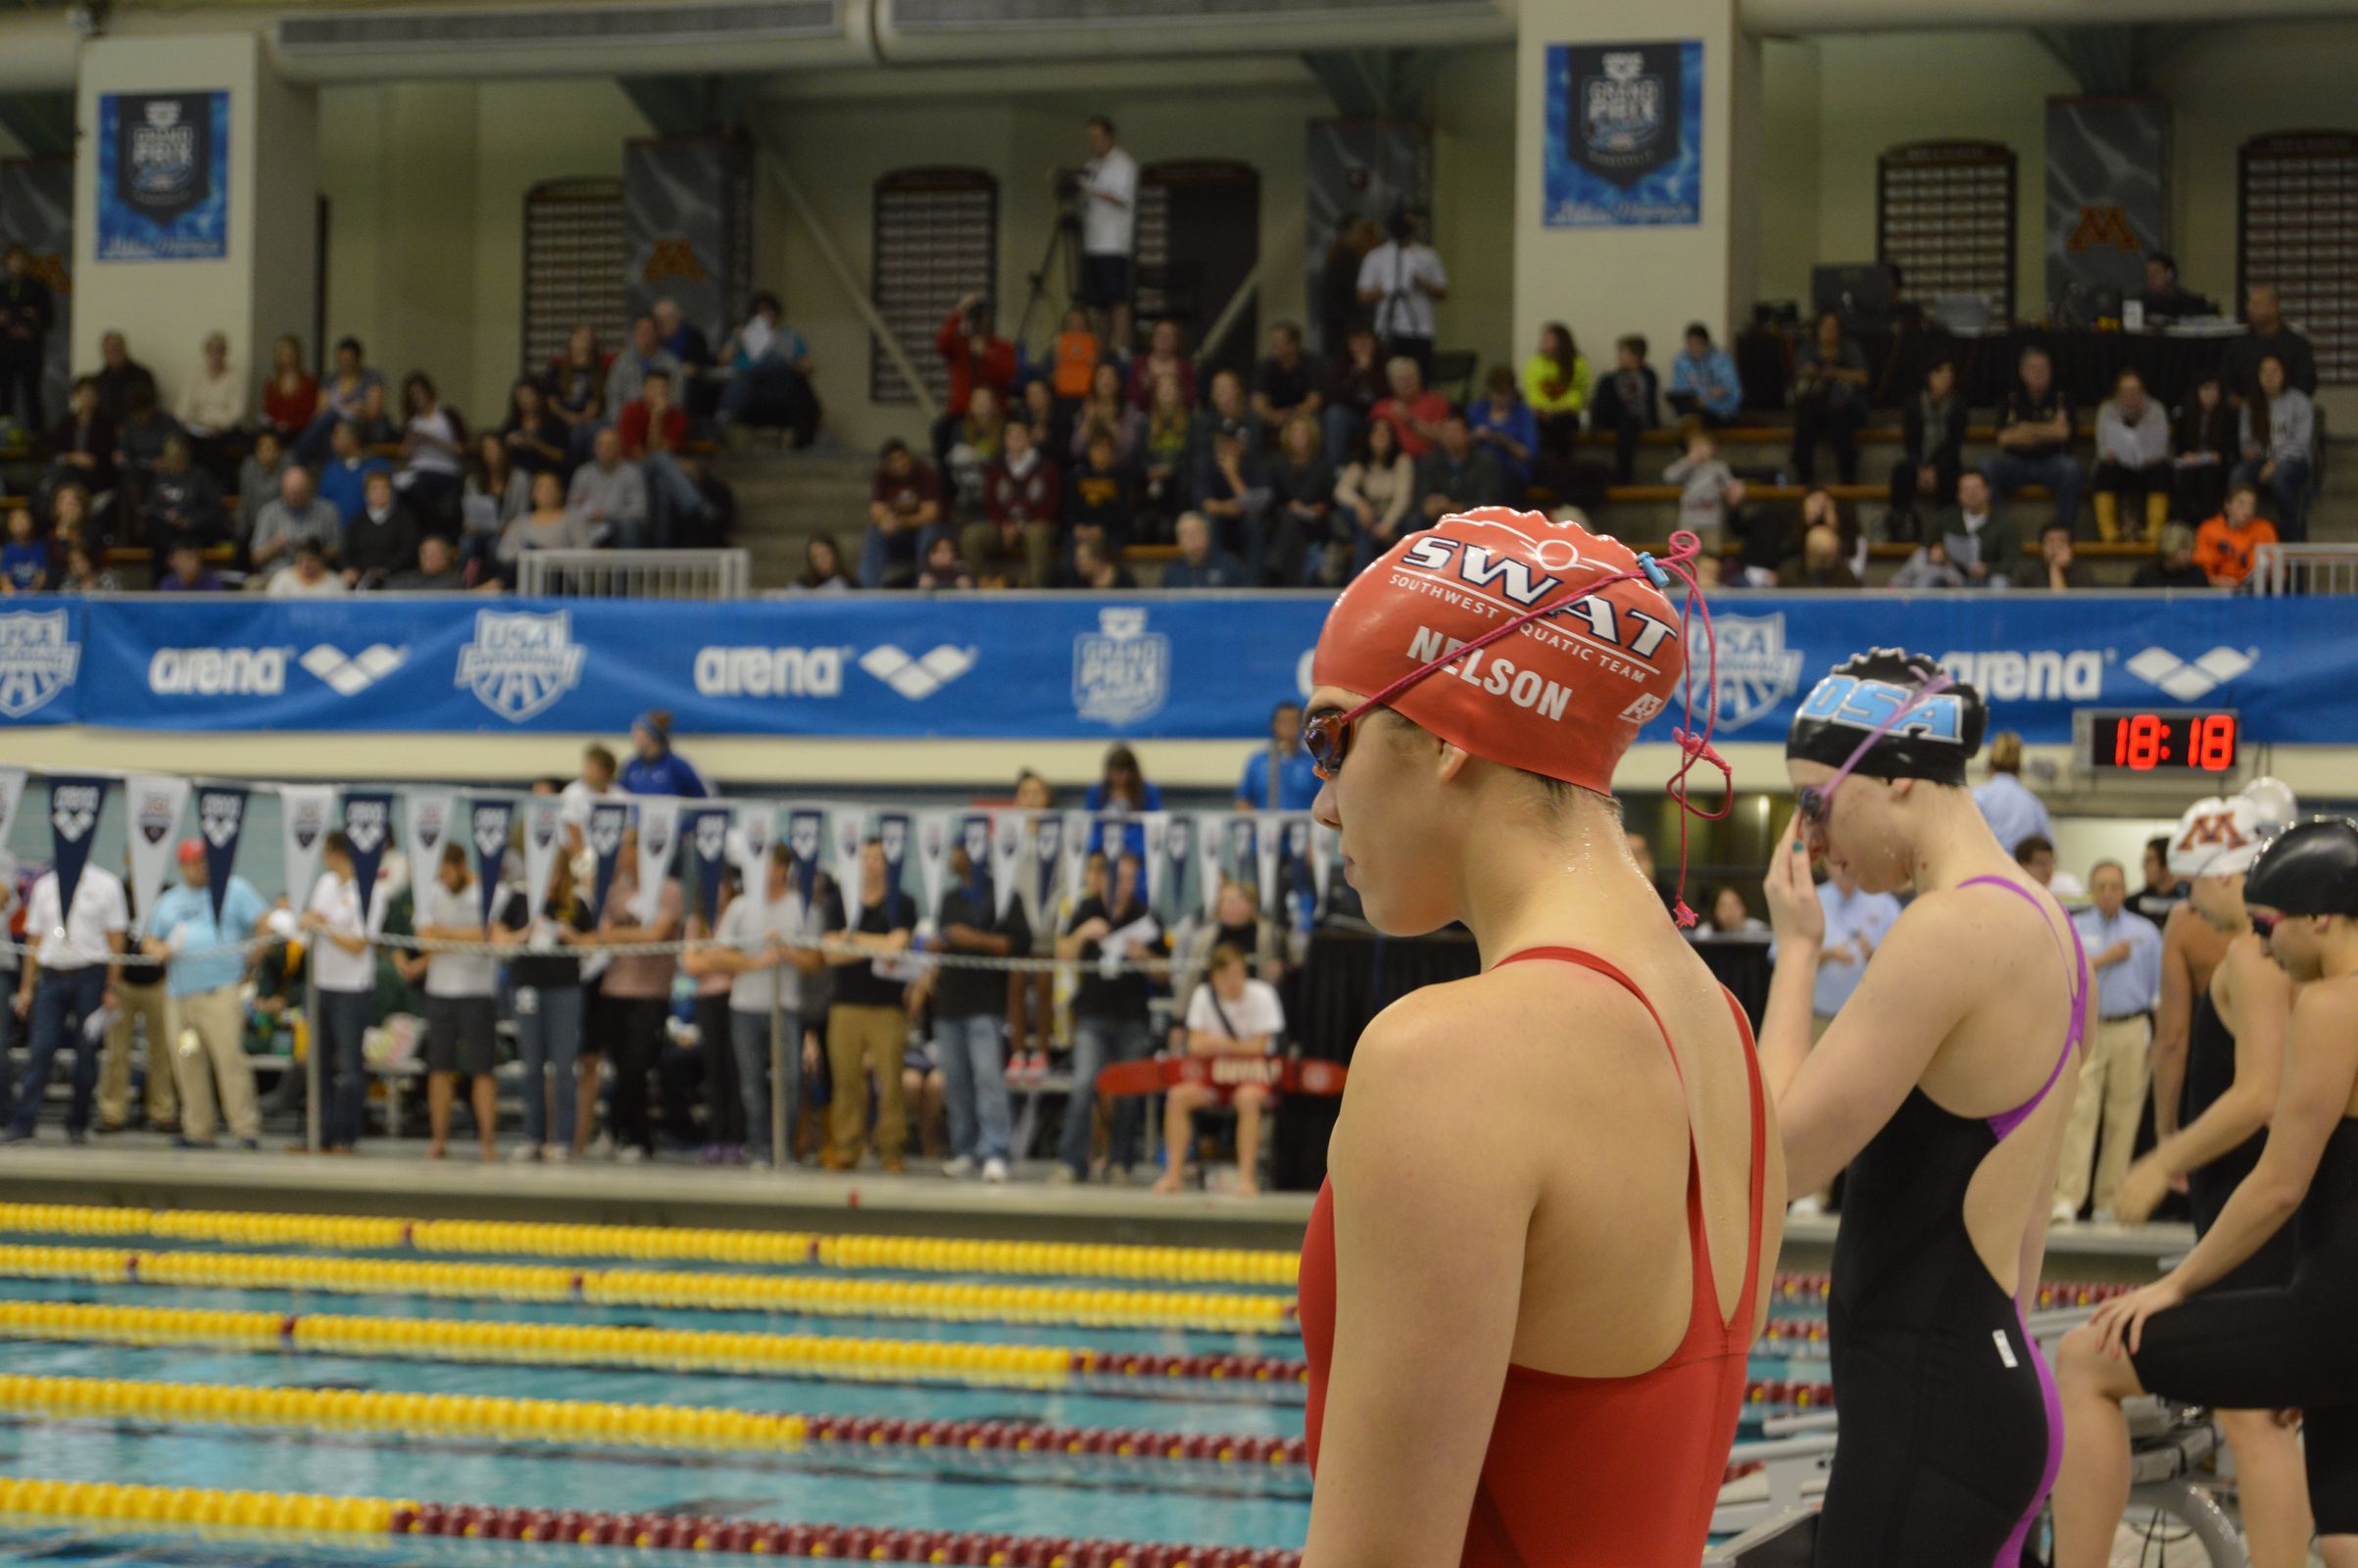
11	790
156	801
544	839
1268	839
850	824
936	830
1156	827
1076	854
658	837
427	815
1008	840
1212	829
754	830
306	811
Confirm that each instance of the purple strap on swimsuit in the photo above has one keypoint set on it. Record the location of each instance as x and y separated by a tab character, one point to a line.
2004	1123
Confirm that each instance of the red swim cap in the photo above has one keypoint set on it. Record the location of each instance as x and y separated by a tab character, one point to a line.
1563	695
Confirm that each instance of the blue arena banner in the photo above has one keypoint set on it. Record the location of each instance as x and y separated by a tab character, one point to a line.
1625	135
1068	666
163	176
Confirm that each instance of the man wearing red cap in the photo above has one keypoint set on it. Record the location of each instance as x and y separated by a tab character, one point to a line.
1555	1187
207	953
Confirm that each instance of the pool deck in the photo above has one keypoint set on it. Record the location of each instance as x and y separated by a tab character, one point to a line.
142	1170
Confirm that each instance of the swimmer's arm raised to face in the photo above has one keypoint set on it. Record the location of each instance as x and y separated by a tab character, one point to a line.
1834	1096
1431	1211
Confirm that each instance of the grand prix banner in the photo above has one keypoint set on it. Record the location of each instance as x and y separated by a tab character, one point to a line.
1073	666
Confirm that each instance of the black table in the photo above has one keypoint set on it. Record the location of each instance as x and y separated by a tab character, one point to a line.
2085	363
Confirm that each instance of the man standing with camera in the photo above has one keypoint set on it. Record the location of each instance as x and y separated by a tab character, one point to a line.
1108	194
1401	279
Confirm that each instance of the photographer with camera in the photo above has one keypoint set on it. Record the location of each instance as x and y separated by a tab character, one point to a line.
1107	191
1399	280
977	357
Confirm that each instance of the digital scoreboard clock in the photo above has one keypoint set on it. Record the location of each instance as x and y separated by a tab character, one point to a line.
2183	741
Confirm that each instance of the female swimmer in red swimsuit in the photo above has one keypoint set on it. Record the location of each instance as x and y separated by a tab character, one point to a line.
1556	1189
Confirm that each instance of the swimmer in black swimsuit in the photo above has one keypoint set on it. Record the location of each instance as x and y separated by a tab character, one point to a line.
2291	1347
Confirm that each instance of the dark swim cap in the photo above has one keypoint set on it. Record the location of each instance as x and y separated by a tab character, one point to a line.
2311	868
1933	741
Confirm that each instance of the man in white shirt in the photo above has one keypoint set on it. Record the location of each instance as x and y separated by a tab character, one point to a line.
1108	223
67	985
767	941
596	783
462	1012
307	576
343	966
1401	279
1231	1015
2125	956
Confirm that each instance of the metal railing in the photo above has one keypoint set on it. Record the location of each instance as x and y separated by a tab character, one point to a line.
635	574
2281	569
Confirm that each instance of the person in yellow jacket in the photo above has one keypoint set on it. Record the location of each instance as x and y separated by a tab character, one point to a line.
1555	383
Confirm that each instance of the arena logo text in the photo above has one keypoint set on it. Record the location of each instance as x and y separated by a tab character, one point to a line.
2048	675
770	671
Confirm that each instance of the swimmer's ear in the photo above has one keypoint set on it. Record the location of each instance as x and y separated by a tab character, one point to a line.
1902	787
1453	759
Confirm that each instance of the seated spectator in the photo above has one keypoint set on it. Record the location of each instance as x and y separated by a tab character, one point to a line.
2226	546
1709	491
1979	542
118	374
684	341
768	366
1075	357
942	567
1101	498
977	358
1555	383
1931	444
70	516
187	572
2205	438
1285	383
309	577
2057	569
905	518
2034	437
437	570
1702	380
1373	495
1354	385
382	540
433	455
575	386
1170	451
1504	426
654	428
1106	409
1301	490
626	377
257	481
291	394
183	503
2266	336
212	403
553	523
82	448
2278	428
1052	431
138	445
2164	298
1235	495
610	493
1097	565
2132	460
497	490
1457	475
86	572
975	446
26	567
823	567
1165	356
1226	403
352	394
534	438
1230	1014
1820	565
1022	496
296	516
343	482
2175	565
1627	404
1729	918
1413	413
1200	562
1829	399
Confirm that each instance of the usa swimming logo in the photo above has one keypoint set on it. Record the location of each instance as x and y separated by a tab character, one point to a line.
37	660
1757	673
1122	671
520	663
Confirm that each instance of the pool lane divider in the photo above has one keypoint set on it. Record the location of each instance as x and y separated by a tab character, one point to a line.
548	1344
314	1514
1187	1265
937	1301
